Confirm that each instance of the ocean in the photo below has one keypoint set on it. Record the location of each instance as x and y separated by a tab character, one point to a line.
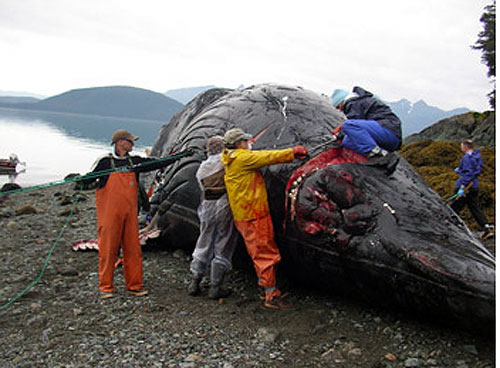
53	145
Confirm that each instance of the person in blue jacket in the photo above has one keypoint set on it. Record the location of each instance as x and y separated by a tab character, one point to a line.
467	186
371	128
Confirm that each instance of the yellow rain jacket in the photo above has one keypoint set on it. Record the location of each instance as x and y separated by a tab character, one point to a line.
245	184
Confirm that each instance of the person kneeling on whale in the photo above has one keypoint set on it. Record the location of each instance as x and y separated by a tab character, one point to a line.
371	129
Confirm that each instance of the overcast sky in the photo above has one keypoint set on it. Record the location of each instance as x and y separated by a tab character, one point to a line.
414	49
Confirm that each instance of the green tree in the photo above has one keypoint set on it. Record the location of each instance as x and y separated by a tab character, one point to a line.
486	43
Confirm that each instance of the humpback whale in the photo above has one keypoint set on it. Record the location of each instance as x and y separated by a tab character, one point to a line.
370	229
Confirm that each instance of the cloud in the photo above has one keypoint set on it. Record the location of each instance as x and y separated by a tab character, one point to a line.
397	48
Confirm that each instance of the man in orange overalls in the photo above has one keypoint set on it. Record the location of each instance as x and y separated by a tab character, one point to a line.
116	207
247	195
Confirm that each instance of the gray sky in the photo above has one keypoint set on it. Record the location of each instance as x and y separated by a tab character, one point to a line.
414	49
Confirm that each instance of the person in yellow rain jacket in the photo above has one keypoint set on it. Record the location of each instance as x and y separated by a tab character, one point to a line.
247	195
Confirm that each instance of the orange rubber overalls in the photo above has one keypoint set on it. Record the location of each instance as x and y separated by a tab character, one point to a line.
116	207
246	190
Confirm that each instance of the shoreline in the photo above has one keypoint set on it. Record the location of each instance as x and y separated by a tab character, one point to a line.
61	321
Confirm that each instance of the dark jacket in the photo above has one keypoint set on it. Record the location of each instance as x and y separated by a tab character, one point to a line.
469	169
366	107
111	161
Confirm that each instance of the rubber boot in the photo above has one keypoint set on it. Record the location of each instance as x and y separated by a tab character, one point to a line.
274	299
194	285
488	232
216	290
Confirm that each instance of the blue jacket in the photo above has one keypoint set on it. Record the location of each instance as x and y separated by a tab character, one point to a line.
366	107
469	169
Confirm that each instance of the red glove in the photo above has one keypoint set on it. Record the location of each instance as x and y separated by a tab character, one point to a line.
299	152
337	130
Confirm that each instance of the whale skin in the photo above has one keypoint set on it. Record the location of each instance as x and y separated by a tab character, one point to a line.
369	229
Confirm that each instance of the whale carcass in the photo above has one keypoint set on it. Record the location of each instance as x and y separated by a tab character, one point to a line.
367	228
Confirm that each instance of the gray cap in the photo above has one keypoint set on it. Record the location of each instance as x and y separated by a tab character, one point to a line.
235	135
215	144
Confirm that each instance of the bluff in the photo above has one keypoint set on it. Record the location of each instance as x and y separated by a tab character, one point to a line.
480	127
115	101
435	152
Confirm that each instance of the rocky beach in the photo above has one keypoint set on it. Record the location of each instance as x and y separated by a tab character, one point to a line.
62	322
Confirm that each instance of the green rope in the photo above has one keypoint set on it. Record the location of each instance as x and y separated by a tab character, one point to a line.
93	175
455	196
6	305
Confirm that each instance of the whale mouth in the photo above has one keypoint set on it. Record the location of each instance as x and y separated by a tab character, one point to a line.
330	202
341	201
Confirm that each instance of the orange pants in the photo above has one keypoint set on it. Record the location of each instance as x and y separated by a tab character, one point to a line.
116	206
259	240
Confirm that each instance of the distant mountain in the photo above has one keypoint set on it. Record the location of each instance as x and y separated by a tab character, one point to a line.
184	95
137	103
480	127
21	94
417	116
115	101
18	99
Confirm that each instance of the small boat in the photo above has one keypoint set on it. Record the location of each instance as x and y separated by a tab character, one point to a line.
8	166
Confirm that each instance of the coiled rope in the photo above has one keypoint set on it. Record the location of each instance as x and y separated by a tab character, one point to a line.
92	175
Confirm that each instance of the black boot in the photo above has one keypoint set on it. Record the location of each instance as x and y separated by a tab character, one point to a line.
488	232
216	290
194	285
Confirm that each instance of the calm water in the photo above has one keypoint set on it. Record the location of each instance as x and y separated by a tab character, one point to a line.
54	145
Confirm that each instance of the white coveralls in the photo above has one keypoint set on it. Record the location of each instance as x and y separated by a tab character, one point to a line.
218	237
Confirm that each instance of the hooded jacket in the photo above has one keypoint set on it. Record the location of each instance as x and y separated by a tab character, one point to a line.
365	106
469	169
245	185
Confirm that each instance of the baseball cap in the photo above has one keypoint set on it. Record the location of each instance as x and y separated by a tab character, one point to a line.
235	135
122	134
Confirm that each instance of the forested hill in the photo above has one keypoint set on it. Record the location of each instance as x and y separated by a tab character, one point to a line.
116	101
480	127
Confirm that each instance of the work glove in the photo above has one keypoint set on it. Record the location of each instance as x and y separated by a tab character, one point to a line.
461	191
337	130
337	134
299	152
